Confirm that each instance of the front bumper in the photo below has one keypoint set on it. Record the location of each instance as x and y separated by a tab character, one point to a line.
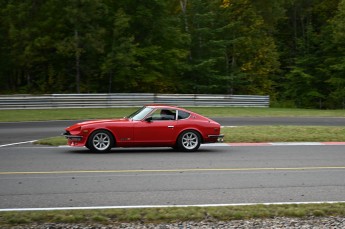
220	137
72	137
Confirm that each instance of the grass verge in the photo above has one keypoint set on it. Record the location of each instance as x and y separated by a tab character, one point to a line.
261	134
172	214
82	113
284	134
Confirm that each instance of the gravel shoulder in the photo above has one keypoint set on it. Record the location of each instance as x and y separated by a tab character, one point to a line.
279	222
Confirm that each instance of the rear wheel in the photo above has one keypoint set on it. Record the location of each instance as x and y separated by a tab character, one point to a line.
189	141
100	141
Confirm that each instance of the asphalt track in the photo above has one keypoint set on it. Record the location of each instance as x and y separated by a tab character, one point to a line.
51	177
48	177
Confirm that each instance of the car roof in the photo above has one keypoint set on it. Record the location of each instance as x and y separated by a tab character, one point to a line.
155	105
162	105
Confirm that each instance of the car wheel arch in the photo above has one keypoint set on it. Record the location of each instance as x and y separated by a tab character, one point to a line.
103	129
112	139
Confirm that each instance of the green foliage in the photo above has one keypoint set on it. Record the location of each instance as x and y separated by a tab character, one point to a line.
292	50
310	55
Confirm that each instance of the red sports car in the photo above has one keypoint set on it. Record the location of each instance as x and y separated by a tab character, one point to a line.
151	125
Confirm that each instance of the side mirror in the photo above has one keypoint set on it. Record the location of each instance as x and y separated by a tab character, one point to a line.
149	119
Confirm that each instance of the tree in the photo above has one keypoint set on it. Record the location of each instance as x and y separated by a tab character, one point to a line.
20	53
121	51
42	36
337	63
161	47
232	50
83	37
306	50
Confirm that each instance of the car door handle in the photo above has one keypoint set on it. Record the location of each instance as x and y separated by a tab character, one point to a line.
170	126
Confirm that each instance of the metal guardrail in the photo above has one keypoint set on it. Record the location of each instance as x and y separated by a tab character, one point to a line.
128	100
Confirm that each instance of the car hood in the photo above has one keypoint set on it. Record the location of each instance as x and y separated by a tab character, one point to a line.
90	122
98	121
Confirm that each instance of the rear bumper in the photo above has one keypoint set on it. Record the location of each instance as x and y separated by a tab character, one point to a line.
218	138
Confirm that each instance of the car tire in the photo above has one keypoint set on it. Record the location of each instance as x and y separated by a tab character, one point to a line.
101	141
189	141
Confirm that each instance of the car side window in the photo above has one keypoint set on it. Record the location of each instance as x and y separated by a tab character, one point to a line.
164	114
183	115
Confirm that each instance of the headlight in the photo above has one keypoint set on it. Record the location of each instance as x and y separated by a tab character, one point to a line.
75	130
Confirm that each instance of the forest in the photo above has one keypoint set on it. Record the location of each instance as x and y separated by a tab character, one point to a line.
292	50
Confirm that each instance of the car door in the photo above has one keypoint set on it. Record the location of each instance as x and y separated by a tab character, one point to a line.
157	129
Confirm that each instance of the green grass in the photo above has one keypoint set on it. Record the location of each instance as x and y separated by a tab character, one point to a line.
170	215
284	134
261	134
265	112
53	141
62	114
82	114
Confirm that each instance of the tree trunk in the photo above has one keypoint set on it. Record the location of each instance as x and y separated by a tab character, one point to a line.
77	60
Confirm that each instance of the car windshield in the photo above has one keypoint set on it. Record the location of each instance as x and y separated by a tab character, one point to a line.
140	114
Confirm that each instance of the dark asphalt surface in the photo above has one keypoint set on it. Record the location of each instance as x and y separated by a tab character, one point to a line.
37	177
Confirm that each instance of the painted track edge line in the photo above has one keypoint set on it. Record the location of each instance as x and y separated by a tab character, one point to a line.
164	206
17	143
228	144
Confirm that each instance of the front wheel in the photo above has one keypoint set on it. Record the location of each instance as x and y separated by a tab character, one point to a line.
100	141
189	141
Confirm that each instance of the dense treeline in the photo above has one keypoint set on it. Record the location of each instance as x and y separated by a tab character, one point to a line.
293	50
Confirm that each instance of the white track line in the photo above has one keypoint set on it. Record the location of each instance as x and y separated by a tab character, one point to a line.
163	206
226	144
17	143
